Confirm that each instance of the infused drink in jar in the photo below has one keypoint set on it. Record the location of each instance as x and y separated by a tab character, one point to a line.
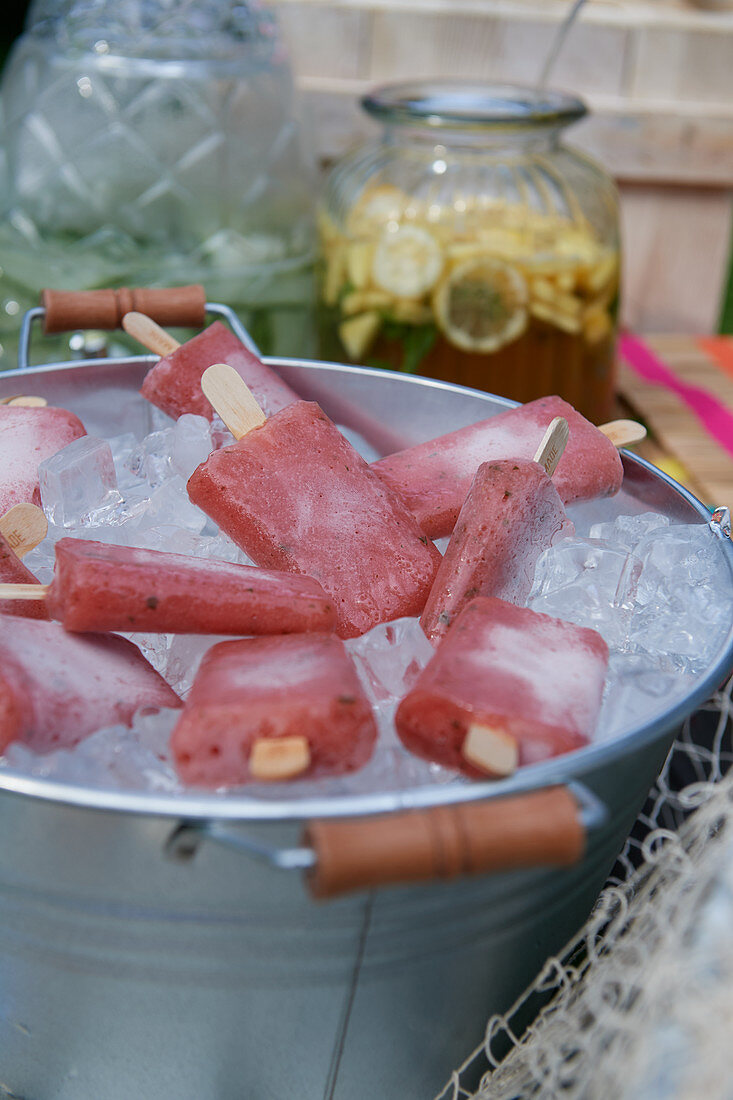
469	244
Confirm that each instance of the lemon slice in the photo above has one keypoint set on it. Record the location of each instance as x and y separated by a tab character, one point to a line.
481	305
358	333
407	262
374	208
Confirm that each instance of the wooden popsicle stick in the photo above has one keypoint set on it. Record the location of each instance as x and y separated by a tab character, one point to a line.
623	433
149	334
23	527
232	399
550	450
490	750
274	758
23	399
24	591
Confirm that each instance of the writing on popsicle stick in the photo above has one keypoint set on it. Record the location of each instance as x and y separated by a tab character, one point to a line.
232	399
554	441
623	433
23	527
145	330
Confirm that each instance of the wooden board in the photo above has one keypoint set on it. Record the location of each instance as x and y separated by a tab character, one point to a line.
678	441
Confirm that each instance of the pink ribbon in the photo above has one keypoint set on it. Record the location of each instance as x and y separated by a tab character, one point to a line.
714	416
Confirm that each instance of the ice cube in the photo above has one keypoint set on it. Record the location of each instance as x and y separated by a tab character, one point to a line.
213	546
638	686
122	447
115	758
191	444
159	421
151	460
390	657
170	507
682	609
591	582
689	552
78	481
220	434
185	653
629	530
41	559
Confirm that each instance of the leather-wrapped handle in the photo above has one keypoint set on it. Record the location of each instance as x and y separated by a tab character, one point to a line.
67	310
528	830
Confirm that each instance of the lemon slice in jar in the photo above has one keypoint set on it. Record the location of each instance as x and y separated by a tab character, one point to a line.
481	305
374	208
407	261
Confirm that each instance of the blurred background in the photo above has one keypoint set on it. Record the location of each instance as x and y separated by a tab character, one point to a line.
118	172
656	74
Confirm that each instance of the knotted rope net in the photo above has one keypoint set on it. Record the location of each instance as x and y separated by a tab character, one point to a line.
640	1003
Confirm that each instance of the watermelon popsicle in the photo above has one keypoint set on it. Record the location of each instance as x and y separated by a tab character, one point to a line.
433	478
174	384
272	709
295	495
22	528
28	435
102	587
56	688
506	686
511	514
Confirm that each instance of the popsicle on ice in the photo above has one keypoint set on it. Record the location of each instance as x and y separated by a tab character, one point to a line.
511	514
22	528
506	686
28	435
174	384
56	688
101	587
433	478
264	709
297	496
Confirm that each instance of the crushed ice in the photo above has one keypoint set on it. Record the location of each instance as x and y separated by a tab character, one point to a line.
652	589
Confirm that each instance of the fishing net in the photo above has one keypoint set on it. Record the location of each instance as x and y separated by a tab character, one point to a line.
640	1003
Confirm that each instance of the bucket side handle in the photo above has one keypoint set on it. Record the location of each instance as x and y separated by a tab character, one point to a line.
73	310
67	310
534	829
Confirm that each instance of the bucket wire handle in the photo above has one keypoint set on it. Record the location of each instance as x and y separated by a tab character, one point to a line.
538	828
177	307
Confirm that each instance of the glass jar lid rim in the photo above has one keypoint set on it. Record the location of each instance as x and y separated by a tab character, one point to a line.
472	104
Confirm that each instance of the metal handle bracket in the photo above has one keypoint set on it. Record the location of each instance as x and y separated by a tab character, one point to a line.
344	856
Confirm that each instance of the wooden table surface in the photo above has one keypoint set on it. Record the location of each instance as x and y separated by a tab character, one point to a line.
678	442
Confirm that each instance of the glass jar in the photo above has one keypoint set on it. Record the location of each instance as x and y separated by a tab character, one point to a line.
148	142
470	245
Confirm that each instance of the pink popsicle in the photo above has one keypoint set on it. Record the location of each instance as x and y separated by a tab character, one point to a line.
511	514
297	497
100	587
56	688
174	384
12	571
433	478
263	689
525	676
28	435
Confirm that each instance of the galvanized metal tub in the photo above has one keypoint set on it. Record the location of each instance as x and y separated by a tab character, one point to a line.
127	970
